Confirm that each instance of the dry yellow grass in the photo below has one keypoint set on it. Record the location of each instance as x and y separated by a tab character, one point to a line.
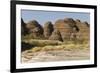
60	47
41	43
50	45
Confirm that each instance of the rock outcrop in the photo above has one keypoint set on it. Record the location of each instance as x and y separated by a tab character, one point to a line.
62	29
48	29
24	30
35	29
84	29
67	28
56	35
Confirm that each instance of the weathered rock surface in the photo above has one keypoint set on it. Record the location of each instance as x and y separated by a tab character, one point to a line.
48	29
67	28
35	29
56	35
84	29
24	30
62	29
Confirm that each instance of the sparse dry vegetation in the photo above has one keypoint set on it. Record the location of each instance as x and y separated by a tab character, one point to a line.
67	39
41	43
55	45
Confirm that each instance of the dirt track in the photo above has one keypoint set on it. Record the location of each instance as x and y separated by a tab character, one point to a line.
59	55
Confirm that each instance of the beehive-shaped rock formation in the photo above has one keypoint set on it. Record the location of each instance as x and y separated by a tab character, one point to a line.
35	28
56	35
48	29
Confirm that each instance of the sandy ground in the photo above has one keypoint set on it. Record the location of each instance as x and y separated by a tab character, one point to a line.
56	55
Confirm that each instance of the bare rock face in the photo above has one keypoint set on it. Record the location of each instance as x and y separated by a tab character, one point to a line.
48	29
86	23
70	21
24	30
84	29
62	29
35	28
56	35
67	27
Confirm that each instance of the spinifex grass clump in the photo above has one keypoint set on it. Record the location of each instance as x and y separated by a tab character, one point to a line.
65	47
41	43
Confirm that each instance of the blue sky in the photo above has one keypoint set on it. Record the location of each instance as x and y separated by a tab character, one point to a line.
44	16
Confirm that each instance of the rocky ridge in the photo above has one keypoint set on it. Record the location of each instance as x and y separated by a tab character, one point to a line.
62	29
